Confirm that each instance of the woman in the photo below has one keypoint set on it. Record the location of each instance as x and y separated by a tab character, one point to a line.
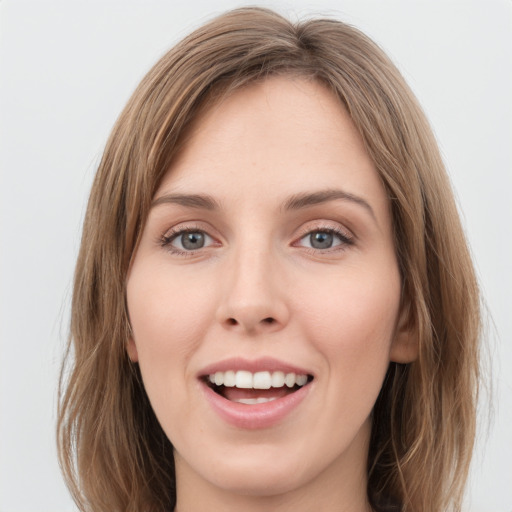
274	304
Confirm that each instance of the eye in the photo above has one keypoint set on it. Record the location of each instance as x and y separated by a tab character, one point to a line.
324	239
187	240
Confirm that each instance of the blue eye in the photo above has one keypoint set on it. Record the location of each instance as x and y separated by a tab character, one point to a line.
321	240
187	240
324	239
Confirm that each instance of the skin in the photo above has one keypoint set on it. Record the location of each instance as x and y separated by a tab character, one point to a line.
334	311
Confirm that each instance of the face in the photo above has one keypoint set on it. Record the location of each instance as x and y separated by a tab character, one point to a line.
264	295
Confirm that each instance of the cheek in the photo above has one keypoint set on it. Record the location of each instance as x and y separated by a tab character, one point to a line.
352	317
169	317
168	314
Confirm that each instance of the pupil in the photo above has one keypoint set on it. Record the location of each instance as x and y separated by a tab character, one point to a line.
321	240
192	240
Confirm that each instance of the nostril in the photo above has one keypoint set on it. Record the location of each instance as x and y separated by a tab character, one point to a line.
234	322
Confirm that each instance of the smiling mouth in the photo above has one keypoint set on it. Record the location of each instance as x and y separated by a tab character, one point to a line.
255	388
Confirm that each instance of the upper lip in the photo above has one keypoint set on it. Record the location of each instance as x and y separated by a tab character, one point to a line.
261	364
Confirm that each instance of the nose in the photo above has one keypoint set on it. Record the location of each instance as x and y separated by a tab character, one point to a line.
253	294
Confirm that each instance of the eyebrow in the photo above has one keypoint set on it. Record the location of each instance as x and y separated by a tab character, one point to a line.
304	200
199	201
295	202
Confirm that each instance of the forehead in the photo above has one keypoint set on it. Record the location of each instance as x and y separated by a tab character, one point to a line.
278	137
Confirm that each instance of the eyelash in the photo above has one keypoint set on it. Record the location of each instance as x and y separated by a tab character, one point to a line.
346	240
169	236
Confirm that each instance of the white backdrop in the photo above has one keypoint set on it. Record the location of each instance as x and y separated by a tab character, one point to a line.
66	70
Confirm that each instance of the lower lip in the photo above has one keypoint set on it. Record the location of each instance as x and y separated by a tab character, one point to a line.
255	416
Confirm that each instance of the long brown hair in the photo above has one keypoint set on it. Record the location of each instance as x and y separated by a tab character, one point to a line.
113	452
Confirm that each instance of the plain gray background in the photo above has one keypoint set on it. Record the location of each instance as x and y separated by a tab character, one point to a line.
66	70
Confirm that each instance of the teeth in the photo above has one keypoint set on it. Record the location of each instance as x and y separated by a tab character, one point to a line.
252	401
278	379
259	380
219	379
243	379
289	380
229	379
301	380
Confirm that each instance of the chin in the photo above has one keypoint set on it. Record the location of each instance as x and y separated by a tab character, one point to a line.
254	471
263	480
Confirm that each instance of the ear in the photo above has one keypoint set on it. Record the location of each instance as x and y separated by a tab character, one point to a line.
404	348
131	348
